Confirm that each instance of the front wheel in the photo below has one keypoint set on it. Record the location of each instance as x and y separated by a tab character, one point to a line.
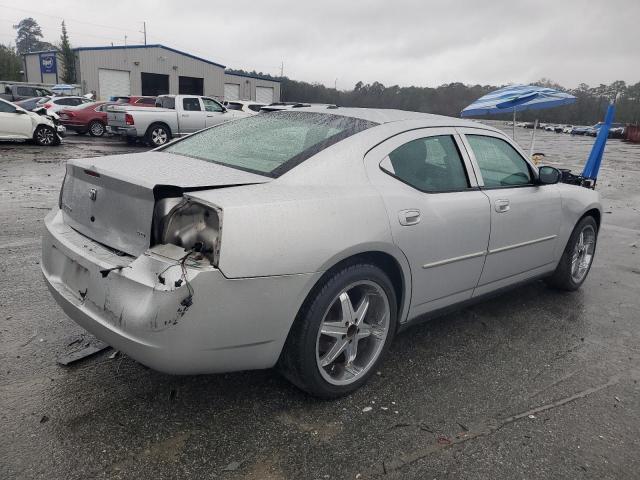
157	135
341	332
45	136
577	258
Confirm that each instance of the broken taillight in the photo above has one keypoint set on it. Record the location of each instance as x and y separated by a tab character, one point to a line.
128	119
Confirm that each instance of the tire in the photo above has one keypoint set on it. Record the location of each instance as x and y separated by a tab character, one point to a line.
96	128
157	135
577	258
45	136
341	360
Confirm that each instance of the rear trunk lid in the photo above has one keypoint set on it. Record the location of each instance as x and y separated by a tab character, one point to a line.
112	199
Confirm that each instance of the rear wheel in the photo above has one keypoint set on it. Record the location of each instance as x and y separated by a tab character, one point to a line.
574	266
341	332
45	136
157	135
96	128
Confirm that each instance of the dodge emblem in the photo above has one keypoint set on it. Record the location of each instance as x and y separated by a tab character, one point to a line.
93	194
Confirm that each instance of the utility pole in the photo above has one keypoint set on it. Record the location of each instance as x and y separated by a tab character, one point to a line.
282	69
144	31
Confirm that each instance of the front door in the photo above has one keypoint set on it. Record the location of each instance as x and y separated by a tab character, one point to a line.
525	216
12	124
439	218
215	113
192	116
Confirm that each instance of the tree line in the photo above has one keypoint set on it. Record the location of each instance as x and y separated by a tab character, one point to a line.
449	99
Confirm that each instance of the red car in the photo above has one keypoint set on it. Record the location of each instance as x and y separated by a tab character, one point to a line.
137	101
90	117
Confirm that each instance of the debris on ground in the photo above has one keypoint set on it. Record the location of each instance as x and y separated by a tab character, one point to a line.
532	417
44	419
114	354
367	409
89	348
442	440
232	467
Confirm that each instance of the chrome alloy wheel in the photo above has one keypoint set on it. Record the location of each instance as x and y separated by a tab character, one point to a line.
97	129
353	332
583	253
159	136
45	136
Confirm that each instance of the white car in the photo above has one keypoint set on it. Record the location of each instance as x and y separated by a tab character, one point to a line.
246	106
55	104
18	124
567	129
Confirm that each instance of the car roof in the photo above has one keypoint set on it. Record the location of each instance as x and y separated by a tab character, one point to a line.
246	102
385	115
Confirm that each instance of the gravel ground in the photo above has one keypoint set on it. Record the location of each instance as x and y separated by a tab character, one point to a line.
532	384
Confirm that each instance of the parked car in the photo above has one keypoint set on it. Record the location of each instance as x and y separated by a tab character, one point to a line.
15	93
88	117
29	104
56	104
247	106
136	101
593	131
567	129
16	123
305	239
579	130
279	106
176	116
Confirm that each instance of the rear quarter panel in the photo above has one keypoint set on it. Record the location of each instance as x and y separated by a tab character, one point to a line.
576	201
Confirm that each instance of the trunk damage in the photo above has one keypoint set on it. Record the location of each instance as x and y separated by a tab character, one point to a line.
118	200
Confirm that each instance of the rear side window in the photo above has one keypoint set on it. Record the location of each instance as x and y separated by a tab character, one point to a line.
191	104
7	108
166	102
430	164
500	164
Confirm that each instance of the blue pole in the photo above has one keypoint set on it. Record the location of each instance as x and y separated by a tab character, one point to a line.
592	167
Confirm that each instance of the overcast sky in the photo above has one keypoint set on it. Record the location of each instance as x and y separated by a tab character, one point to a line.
423	43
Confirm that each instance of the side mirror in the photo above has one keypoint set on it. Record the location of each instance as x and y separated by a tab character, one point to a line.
549	175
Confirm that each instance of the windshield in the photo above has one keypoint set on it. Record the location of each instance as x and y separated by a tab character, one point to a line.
269	144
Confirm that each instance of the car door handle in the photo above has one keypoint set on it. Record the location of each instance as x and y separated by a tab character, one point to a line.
208	116
409	217
502	205
185	115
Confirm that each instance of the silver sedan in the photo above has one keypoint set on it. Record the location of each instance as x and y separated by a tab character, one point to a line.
306	239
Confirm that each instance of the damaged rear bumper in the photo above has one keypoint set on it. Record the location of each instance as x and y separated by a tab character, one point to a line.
228	324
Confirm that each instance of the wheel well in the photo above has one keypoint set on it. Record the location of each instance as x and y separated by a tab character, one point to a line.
595	213
384	261
161	124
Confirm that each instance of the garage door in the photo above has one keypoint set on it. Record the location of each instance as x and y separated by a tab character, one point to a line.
231	91
264	94
113	83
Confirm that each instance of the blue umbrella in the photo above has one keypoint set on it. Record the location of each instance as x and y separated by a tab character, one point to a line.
592	166
517	98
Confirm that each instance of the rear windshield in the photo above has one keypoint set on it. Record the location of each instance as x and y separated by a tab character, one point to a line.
269	144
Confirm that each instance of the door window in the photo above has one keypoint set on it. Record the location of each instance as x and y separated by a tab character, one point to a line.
500	164
191	104
211	105
431	164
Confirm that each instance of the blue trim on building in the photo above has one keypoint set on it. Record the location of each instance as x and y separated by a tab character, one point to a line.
157	45
252	76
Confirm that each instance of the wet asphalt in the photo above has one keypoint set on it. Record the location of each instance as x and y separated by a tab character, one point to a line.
533	384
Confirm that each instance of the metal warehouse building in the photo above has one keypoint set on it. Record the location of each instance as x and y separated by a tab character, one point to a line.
149	70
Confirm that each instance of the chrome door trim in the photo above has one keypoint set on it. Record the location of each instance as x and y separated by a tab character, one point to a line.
522	244
454	259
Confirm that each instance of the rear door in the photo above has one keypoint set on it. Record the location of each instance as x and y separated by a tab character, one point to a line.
192	115
438	216
525	216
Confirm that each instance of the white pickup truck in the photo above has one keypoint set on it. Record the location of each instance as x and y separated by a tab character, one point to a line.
173	116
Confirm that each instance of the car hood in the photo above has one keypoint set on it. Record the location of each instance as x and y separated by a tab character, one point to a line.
151	169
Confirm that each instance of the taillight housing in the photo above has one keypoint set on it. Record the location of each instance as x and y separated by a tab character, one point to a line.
194	226
128	119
